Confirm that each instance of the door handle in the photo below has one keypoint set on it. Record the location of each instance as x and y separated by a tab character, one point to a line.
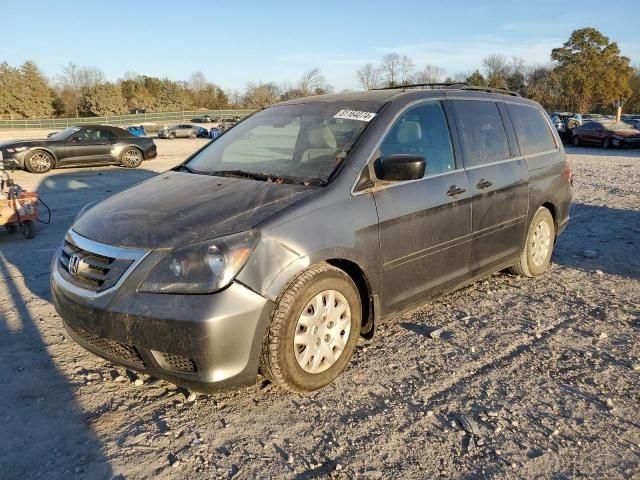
455	190
483	184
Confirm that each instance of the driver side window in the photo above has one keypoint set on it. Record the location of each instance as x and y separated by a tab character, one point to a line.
422	130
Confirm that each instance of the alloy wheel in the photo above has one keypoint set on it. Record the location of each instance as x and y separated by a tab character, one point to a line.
40	162
132	157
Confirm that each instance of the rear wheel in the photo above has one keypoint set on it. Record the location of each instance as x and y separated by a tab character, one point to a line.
536	253
39	162
193	135
131	157
313	331
172	135
576	141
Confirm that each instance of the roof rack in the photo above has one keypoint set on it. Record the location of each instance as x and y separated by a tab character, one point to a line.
456	85
426	86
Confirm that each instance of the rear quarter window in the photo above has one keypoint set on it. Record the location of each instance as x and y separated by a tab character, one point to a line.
532	130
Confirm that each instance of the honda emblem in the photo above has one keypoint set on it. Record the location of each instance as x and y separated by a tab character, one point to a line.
74	264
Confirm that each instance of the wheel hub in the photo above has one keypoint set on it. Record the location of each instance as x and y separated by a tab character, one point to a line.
322	331
540	243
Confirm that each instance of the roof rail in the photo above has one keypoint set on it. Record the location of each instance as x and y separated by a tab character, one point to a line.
426	86
501	91
456	85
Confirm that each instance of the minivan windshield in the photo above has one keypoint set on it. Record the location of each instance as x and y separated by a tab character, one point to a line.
297	143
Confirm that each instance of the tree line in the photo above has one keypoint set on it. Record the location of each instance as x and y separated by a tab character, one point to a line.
586	74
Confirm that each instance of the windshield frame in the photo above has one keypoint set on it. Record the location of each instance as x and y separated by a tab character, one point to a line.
61	135
370	106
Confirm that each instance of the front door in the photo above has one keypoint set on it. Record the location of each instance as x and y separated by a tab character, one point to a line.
499	183
425	224
88	145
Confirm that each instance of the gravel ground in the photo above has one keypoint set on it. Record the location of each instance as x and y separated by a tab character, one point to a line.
507	378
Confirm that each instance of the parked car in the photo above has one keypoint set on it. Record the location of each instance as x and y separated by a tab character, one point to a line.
607	134
82	145
226	124
633	123
136	130
202	132
203	119
178	131
275	247
564	122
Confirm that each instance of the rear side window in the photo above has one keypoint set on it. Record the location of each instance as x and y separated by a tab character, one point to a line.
422	130
534	135
484	139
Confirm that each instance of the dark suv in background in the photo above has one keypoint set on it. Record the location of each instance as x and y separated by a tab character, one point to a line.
276	246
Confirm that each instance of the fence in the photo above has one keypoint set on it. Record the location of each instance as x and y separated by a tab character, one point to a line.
134	119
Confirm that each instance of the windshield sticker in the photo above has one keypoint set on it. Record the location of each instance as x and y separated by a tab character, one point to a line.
355	115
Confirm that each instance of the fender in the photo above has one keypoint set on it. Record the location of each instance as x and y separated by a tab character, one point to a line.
273	265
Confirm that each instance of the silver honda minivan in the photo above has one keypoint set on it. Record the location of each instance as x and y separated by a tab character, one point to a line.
276	246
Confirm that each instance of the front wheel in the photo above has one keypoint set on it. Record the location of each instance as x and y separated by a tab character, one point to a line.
576	141
536	253
193	135
313	330
39	162
131	157
606	143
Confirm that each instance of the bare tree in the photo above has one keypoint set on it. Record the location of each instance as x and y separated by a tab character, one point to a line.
313	83
78	80
497	69
197	84
368	76
431	74
406	70
261	95
390	68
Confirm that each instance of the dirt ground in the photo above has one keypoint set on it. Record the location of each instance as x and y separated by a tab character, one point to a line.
521	378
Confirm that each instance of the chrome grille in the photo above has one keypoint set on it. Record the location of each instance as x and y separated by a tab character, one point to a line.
94	272
91	268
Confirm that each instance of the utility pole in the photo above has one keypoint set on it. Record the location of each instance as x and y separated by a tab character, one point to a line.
618	104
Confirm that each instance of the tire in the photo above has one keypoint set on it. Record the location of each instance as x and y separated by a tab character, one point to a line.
193	135
11	227
131	157
576	141
28	229
572	124
292	324
172	136
39	161
606	143
536	253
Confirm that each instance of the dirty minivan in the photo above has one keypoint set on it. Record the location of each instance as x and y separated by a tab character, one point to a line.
275	247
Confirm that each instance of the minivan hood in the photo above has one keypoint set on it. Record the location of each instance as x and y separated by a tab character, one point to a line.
175	208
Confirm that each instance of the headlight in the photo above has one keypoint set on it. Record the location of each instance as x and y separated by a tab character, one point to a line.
15	149
203	267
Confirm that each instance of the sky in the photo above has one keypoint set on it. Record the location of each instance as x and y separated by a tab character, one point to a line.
236	42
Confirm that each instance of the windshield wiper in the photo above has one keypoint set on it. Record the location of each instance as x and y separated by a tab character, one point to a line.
263	177
185	168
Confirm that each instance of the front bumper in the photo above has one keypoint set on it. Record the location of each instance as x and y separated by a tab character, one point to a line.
203	342
626	142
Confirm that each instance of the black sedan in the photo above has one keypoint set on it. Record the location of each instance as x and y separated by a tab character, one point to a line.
85	145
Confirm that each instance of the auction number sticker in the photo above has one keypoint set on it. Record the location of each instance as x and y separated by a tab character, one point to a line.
355	115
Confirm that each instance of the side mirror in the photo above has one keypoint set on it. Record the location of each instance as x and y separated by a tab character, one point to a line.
401	167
